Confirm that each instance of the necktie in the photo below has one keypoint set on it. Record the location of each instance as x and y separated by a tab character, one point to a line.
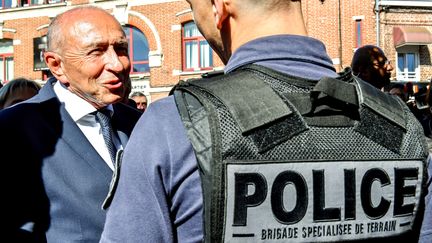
103	117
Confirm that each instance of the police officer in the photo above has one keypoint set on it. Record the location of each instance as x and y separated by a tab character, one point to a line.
280	147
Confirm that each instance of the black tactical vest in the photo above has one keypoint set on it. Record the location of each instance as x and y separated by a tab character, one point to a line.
289	159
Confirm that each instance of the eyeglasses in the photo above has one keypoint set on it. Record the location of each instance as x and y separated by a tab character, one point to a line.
383	63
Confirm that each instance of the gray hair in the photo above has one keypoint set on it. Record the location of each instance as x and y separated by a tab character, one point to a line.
137	93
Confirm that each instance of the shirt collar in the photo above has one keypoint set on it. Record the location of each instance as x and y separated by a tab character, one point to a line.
75	105
302	52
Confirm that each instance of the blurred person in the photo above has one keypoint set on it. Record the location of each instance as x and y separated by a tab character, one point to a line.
280	147
398	90
17	90
130	102
371	65
409	89
422	104
412	99
71	133
140	100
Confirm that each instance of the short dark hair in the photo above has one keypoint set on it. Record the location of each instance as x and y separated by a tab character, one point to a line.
14	85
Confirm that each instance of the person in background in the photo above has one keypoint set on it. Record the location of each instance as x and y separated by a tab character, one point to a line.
371	65
279	148
398	90
411	100
70	134
17	90
140	100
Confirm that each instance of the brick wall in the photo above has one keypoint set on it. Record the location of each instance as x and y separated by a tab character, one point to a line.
324	23
398	16
26	30
161	21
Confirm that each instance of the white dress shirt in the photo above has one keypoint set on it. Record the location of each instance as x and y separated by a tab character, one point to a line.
80	111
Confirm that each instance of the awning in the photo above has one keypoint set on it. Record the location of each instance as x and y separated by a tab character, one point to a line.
411	35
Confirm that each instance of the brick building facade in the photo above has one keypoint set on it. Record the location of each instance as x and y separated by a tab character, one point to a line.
412	21
341	25
357	23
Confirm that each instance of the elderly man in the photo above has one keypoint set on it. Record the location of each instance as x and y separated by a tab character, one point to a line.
69	136
140	100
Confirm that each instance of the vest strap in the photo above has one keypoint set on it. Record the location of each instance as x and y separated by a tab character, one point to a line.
337	89
384	105
257	106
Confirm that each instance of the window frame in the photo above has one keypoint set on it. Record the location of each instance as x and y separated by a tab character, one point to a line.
130	39
7	52
405	75
3	57
197	39
3	2
358	24
28	3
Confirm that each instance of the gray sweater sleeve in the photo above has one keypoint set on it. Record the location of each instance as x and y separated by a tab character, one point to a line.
159	195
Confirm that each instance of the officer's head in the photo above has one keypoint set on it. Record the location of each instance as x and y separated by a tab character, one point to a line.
228	24
370	64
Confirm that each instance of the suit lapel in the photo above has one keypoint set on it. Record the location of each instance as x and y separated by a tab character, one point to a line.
78	142
70	132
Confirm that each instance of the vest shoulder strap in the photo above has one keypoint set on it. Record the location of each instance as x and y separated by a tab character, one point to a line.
252	102
384	104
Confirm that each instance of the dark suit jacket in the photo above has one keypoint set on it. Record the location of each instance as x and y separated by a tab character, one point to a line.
54	181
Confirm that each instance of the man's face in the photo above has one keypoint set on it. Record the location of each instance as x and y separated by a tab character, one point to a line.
373	66
381	69
95	60
141	102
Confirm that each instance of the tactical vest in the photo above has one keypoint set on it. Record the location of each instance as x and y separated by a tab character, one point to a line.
283	158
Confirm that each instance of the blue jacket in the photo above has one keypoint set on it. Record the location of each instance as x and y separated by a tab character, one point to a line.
54	180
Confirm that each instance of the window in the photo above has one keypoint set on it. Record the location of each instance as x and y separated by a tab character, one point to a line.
6	61
25	3
138	49
358	33
416	3
6	3
197	54
408	64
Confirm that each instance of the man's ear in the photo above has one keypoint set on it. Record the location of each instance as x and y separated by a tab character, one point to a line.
220	12
54	63
364	73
